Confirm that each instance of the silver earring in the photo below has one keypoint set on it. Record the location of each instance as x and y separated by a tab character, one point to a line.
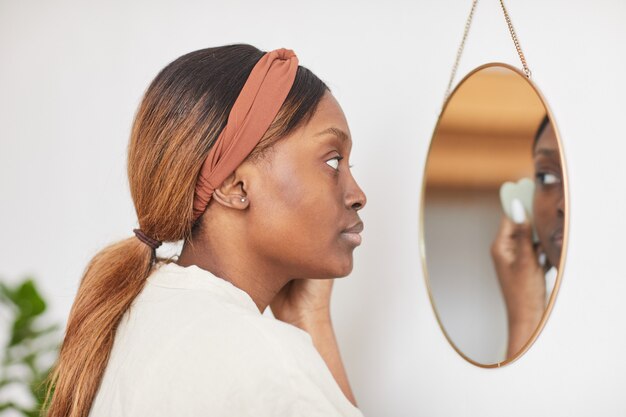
243	199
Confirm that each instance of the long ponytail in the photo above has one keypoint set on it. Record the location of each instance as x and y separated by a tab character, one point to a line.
178	120
112	280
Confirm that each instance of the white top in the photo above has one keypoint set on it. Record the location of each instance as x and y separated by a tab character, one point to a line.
192	344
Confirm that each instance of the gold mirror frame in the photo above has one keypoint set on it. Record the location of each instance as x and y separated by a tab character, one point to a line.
561	267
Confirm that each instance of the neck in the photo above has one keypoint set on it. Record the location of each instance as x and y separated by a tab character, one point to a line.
234	262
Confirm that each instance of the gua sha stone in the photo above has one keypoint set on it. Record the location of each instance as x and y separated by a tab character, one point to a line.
523	190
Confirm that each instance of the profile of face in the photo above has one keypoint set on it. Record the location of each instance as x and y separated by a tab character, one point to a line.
548	201
304	199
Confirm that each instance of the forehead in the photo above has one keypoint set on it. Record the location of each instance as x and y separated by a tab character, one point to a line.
324	130
547	139
328	115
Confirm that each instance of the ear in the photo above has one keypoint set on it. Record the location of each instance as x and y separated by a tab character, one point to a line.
232	192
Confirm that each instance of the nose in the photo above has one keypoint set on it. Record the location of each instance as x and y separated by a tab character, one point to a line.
355	197
560	206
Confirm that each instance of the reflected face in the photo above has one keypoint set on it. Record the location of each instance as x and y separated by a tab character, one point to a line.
305	199
548	203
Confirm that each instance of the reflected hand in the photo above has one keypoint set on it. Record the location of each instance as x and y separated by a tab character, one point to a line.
303	302
521	279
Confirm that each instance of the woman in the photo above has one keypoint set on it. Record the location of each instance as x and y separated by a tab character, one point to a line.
244	156
527	271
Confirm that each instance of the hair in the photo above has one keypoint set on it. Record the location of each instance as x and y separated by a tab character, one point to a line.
181	115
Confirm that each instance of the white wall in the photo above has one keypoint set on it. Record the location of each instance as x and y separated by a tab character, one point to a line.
72	73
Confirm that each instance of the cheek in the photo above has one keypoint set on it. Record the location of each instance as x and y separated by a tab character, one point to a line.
540	211
309	207
299	208
285	190
545	212
298	221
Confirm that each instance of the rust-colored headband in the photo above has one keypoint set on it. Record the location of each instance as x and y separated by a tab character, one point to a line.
252	114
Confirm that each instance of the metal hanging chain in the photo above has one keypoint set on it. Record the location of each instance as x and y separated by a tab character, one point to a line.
459	52
515	41
468	23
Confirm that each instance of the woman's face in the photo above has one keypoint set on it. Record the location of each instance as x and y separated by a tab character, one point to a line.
305	198
548	204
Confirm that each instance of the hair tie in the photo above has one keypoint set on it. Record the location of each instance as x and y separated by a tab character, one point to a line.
255	109
153	243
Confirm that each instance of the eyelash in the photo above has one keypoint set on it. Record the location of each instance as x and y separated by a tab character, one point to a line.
338	158
541	177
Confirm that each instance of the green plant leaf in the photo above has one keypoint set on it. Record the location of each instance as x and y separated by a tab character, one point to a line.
30	305
25	342
28	299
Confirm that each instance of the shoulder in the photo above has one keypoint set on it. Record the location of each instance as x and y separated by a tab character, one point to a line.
230	341
249	365
198	346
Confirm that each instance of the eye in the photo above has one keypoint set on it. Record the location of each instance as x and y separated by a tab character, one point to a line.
545	178
334	162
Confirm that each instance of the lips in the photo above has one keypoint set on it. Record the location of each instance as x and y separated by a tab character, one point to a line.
357	228
351	234
557	237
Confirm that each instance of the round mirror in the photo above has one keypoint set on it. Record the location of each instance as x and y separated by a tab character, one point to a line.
494	215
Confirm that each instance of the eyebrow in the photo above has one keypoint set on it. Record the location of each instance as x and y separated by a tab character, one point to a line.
546	152
343	136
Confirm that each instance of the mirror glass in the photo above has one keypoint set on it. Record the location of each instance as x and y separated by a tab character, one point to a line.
494	215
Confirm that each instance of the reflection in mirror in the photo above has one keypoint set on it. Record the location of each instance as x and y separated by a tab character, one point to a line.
494	215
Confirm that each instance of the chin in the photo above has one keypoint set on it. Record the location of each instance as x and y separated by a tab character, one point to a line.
555	259
551	250
344	267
